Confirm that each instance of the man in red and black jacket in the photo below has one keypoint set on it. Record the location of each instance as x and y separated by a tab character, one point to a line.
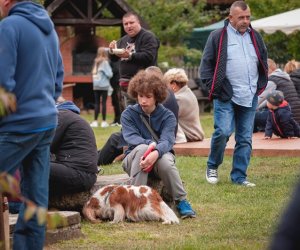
234	67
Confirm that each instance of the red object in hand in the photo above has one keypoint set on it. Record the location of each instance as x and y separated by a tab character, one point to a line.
148	151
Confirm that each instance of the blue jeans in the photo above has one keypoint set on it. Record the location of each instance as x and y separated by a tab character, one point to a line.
228	117
31	154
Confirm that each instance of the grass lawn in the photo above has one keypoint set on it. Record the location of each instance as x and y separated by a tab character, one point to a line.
228	216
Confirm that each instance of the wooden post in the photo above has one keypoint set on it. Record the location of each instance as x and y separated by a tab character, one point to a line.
4	223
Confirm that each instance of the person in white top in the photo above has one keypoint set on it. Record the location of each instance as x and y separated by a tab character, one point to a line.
189	126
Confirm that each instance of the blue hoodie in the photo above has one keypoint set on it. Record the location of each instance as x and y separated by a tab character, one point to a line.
135	132
69	106
31	68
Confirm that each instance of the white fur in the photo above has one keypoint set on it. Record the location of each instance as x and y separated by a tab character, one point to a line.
134	203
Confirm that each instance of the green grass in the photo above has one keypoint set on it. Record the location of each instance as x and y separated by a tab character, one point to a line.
229	216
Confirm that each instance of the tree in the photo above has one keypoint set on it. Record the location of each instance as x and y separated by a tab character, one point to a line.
172	22
281	47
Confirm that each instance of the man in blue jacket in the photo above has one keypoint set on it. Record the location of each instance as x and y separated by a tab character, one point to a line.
31	68
234	67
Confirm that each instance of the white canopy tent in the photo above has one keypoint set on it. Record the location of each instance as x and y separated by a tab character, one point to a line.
286	22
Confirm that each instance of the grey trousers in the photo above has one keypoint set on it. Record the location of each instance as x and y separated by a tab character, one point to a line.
164	168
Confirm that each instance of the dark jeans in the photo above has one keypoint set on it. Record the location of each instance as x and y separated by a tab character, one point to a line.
260	120
111	149
31	154
115	99
98	94
66	180
230	117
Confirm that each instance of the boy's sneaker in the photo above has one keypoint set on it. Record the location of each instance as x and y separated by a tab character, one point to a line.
212	176
104	124
185	210
94	124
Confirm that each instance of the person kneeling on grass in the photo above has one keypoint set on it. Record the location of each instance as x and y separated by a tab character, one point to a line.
137	120
280	120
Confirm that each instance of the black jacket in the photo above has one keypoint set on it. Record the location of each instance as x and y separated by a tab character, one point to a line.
295	77
144	53
213	63
74	143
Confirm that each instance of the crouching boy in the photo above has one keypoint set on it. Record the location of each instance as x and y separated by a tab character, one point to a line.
280	120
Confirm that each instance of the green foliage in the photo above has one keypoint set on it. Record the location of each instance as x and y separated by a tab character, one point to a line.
172	21
281	47
109	33
8	103
260	9
9	185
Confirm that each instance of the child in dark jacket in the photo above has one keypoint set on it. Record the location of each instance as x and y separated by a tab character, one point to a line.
280	120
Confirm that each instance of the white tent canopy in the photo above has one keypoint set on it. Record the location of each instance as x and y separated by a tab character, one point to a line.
286	22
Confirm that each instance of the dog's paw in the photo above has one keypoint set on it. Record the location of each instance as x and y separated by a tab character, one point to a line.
115	221
169	222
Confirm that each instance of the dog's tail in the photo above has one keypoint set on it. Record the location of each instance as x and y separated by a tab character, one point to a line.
89	210
169	217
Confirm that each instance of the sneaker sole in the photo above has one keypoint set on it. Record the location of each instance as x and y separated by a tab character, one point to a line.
211	182
188	216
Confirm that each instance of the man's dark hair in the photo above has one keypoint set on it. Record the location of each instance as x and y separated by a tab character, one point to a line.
128	14
239	4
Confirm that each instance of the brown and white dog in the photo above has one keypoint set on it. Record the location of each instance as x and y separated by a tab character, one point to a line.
134	203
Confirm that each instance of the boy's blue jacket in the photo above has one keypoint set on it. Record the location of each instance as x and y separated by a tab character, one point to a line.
31	68
135	132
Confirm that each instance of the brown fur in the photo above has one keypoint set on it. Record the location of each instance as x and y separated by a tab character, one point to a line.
133	203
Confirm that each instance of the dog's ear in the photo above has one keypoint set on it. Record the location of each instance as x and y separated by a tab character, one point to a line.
90	209
107	189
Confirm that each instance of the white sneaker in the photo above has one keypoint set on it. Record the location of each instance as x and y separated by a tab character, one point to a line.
115	124
212	176
104	124
247	184
94	124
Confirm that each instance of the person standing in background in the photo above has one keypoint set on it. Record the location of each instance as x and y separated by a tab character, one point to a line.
234	67
102	73
31	68
116	94
140	48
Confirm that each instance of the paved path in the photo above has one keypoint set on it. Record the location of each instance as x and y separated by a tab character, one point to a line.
261	147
